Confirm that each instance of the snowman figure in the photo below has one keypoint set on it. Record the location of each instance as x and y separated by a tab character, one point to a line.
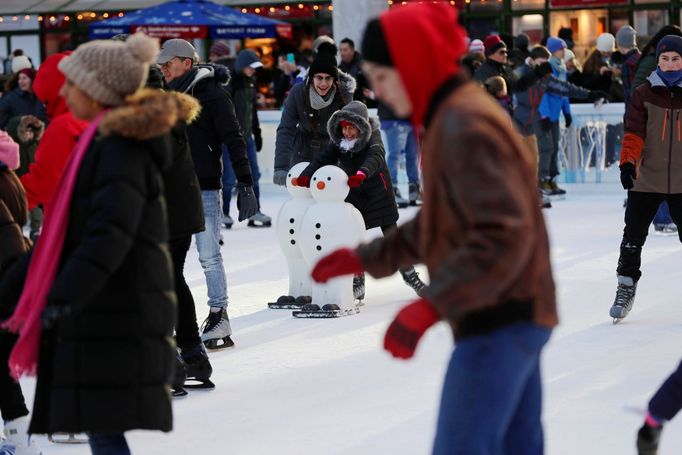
329	224
289	220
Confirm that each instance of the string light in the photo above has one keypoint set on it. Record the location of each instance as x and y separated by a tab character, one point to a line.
244	10
272	9
80	17
287	7
93	15
300	6
27	18
330	8
40	19
2	19
257	10
53	19
105	15
67	18
15	18
120	14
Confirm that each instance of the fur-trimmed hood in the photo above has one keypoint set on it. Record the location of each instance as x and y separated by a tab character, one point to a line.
30	129
148	114
356	113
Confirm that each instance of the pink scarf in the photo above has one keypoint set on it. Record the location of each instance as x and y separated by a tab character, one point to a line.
42	269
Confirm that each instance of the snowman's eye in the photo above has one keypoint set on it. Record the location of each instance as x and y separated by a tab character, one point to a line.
314	178
329	178
289	175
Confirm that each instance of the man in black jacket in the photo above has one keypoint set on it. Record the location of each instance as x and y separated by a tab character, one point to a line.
216	125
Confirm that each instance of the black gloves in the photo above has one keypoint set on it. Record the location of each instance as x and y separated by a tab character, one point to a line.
596	95
280	177
543	69
545	124
247	204
568	119
628	174
53	312
258	139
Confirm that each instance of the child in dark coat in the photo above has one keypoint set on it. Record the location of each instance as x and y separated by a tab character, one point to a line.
357	148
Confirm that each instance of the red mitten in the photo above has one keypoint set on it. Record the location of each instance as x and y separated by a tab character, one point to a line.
357	179
341	262
408	327
302	180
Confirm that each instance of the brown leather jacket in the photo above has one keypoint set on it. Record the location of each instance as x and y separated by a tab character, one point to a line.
480	231
13	215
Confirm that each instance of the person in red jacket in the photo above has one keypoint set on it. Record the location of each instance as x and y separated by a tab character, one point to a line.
480	232
59	138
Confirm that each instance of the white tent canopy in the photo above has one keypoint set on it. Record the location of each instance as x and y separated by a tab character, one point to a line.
69	6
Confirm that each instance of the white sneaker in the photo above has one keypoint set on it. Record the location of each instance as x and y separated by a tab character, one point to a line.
17	440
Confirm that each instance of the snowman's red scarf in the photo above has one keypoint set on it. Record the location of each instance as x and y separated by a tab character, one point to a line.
26	320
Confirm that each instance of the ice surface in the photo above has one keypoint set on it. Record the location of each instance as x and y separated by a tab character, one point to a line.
296	386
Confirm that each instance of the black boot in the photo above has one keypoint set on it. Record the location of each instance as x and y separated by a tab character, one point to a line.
359	286
411	278
647	439
180	376
199	368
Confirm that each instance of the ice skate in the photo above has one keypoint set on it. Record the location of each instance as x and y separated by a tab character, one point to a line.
665	229
550	187
359	288
545	201
199	368
411	278
415	194
329	311
289	302
216	330
179	378
647	440
17	441
625	298
228	221
260	220
67	438
400	201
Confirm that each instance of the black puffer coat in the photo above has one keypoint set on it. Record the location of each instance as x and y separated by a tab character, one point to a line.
106	366
374	198
302	132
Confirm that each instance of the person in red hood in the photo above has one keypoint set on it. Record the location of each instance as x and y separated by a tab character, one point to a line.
480	233
59	138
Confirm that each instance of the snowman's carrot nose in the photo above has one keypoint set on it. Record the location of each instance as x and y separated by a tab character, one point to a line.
294	181
320	185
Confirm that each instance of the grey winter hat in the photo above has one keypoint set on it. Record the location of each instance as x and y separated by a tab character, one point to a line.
245	58
626	37
176	48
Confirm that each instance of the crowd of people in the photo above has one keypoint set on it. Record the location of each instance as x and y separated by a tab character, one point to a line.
133	151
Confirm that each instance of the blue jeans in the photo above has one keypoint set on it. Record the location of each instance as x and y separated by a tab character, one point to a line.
492	395
401	139
108	444
209	249
229	179
663	214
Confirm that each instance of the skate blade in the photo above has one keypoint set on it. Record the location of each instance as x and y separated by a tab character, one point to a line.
178	394
326	314
403	206
253	224
557	197
415	204
664	234
285	306
195	384
66	438
617	320
219	344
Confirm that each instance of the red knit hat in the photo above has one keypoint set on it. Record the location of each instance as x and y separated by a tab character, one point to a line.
492	44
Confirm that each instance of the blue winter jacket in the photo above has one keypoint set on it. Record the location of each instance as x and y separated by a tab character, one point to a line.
552	104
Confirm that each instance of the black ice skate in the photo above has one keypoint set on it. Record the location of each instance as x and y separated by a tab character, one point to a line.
199	369
289	302
260	220
400	201
647	440
227	221
216	330
359	288
415	194
67	438
179	378
411	278
625	298
328	311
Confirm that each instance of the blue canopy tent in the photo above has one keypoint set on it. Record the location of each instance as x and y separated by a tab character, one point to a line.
191	19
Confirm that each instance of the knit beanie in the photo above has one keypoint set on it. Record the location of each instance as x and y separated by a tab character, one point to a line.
220	49
476	47
626	37
555	44
522	41
324	63
28	72
9	151
606	42
20	62
669	43
374	47
568	56
108	71
492	44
